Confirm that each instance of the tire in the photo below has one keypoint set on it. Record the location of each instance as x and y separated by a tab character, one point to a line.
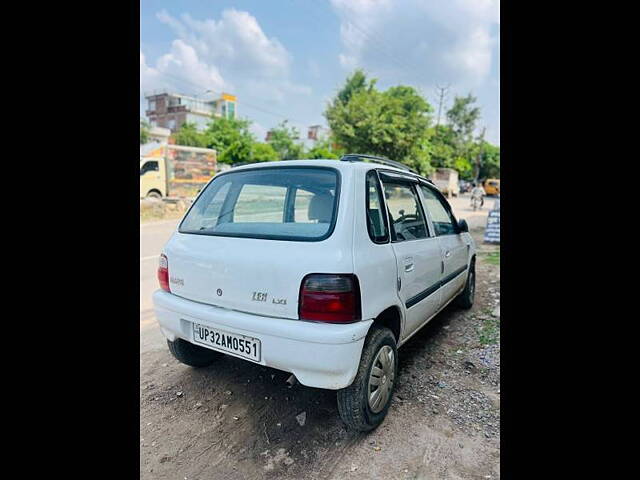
154	195
191	354
353	401
466	297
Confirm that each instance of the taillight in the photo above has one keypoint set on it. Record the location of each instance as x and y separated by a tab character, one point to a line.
330	298
163	273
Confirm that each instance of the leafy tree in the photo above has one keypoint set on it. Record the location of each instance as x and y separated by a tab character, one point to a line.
224	134
284	140
393	123
264	152
239	151
490	162
189	136
144	131
356	83
321	149
463	117
442	147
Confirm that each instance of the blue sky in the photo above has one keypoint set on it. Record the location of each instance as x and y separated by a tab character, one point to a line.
287	58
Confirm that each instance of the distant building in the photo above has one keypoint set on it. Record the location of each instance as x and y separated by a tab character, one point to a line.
314	132
172	110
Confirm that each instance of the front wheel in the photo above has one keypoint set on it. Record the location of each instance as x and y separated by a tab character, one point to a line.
466	297
364	404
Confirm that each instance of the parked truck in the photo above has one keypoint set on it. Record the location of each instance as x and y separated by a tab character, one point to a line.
175	171
446	180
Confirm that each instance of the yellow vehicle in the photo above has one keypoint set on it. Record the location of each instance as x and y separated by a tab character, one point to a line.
492	186
175	171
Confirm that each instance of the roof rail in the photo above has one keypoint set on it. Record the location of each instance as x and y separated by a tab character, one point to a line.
356	157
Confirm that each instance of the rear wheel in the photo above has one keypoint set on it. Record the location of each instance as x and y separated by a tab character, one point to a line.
154	195
466	297
364	404
191	354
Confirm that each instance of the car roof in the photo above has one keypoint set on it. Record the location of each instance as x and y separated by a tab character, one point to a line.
321	162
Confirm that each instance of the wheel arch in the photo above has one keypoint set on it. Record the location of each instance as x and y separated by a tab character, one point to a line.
391	318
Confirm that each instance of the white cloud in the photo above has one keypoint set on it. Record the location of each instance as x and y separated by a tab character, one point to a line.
423	43
439	41
179	70
236	46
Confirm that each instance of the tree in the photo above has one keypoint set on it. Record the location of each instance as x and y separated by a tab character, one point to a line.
189	136
284	140
264	152
321	149
355	84
144	131
224	134
490	164
238	152
463	116
393	123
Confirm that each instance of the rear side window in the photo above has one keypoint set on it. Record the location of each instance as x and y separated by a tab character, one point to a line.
376	224
271	203
440	215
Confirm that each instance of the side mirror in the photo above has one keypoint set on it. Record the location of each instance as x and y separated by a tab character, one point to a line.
462	226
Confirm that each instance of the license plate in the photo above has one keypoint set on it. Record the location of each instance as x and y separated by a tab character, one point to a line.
241	345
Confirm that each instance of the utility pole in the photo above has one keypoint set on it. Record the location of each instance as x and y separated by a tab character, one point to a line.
480	154
442	93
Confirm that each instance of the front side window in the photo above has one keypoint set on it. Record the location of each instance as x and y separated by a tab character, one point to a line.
271	203
407	221
151	166
441	216
376	224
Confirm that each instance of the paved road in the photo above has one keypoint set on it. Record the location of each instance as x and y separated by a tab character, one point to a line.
153	236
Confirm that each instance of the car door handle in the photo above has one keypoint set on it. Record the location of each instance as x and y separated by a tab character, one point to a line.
408	264
447	254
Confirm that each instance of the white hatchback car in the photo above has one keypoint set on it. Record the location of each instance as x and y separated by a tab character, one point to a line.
316	267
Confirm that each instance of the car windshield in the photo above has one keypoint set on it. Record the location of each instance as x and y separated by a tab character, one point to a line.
272	202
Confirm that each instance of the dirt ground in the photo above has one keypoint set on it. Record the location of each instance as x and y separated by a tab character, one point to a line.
152	210
237	420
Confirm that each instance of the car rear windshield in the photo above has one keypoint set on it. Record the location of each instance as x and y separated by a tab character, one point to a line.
276	203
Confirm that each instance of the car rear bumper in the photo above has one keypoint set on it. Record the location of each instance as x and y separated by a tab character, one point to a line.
320	355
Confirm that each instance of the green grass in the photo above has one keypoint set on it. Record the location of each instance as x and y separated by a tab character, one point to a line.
492	258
